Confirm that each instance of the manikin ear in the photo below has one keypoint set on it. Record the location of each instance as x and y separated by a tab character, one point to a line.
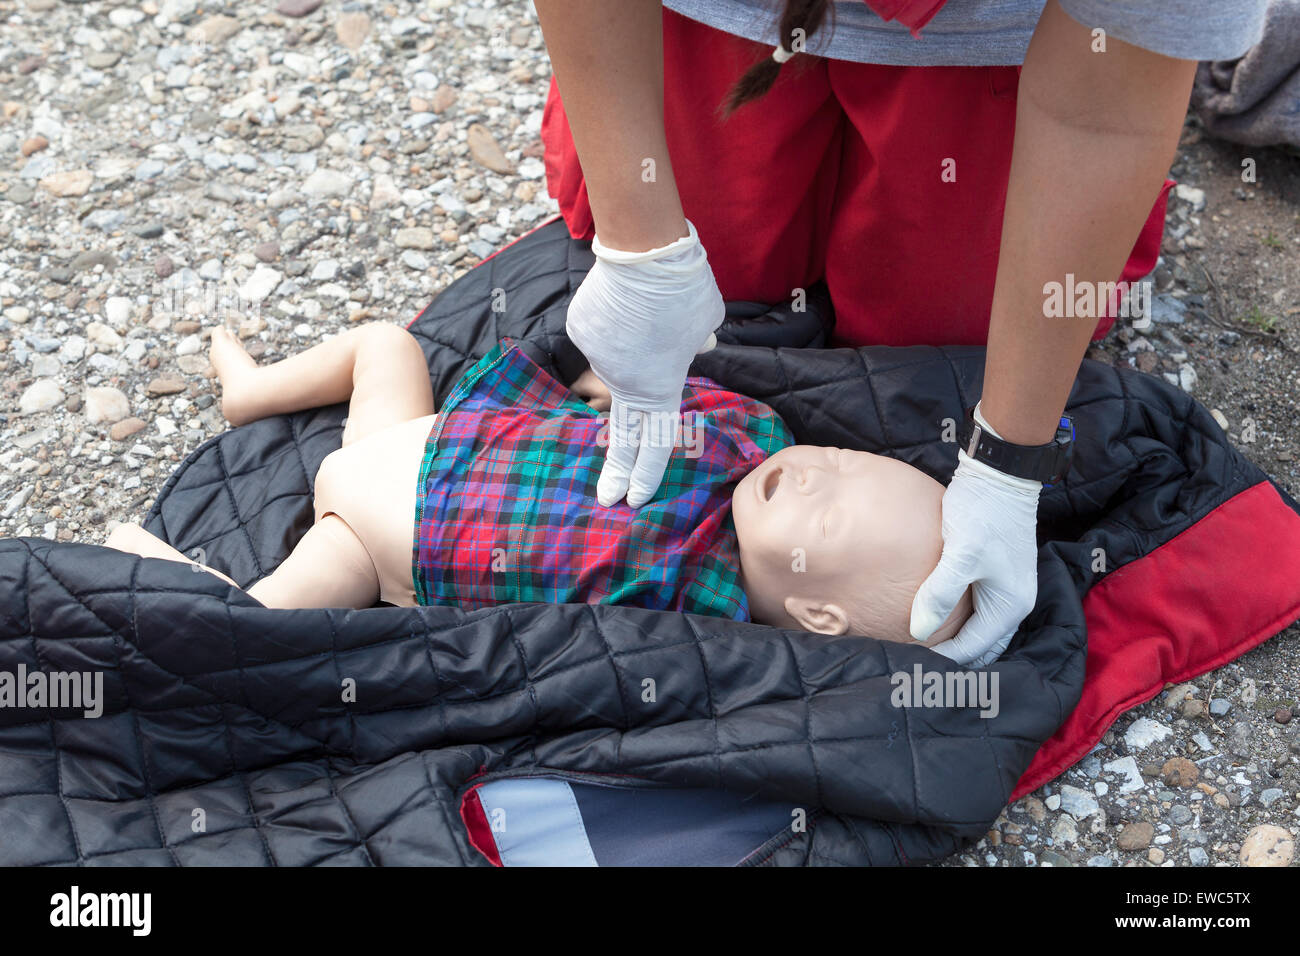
816	616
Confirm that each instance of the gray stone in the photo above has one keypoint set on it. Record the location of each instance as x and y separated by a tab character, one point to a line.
414	260
1144	732
17	500
1078	803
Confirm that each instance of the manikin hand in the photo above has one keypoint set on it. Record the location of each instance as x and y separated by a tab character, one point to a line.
989	542
639	318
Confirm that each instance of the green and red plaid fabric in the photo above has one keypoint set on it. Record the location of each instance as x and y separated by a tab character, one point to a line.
506	506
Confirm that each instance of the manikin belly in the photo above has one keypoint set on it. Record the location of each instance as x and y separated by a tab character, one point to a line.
371	484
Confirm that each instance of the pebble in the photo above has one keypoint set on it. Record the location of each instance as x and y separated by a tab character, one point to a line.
1271	796
267	251
1179	814
443	99
413	260
1078	803
416	237
352	30
1198	857
260	284
103	337
1191	195
166	384
1267	845
1126	767
1179	772
17	500
484	149
1065	830
1239	739
297	8
124	429
69	183
1175	696
326	183
1135	836
1219	706
42	395
117	309
217	30
325	270
106	404
1144	732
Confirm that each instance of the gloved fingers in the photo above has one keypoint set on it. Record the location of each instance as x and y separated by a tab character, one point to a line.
658	437
621	454
984	636
937	596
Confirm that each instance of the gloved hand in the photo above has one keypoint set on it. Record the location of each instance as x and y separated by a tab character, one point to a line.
639	318
989	542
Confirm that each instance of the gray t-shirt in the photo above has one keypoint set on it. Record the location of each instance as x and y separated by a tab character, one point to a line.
997	32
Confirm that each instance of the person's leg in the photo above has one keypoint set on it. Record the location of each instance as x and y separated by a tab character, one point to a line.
379	369
913	246
757	185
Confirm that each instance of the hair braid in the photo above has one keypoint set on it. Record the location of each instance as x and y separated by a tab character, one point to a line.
805	16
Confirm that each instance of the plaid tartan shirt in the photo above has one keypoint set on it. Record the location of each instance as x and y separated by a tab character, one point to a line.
506	505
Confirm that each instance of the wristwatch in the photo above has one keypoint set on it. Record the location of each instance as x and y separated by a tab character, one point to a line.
1046	463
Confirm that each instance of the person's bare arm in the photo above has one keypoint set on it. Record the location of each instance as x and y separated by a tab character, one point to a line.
607	56
1095	134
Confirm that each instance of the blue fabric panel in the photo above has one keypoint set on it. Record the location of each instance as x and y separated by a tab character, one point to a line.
535	822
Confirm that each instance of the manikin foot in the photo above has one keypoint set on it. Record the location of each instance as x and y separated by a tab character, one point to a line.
235	369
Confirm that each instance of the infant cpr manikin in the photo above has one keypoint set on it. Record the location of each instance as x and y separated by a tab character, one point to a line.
825	539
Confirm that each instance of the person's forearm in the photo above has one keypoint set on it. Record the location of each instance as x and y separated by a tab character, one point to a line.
1095	134
607	56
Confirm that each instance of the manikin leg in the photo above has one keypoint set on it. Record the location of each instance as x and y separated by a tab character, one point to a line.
381	372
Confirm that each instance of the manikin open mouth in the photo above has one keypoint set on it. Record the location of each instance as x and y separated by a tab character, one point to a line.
767	487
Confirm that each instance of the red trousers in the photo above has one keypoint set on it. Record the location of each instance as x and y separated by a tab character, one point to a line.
839	173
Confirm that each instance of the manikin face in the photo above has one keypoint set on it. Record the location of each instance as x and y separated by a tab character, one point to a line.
838	541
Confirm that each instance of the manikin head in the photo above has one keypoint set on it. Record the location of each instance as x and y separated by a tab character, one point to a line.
838	542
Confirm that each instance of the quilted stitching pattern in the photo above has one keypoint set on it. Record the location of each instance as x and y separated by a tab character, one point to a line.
214	703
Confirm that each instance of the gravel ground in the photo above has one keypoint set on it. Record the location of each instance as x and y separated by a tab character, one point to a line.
292	170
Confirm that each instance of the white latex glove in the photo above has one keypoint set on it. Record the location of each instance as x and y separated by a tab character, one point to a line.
989	542
639	318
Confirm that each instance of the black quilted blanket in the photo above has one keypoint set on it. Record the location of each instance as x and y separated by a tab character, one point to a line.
236	734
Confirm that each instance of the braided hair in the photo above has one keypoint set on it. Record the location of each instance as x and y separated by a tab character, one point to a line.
799	20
